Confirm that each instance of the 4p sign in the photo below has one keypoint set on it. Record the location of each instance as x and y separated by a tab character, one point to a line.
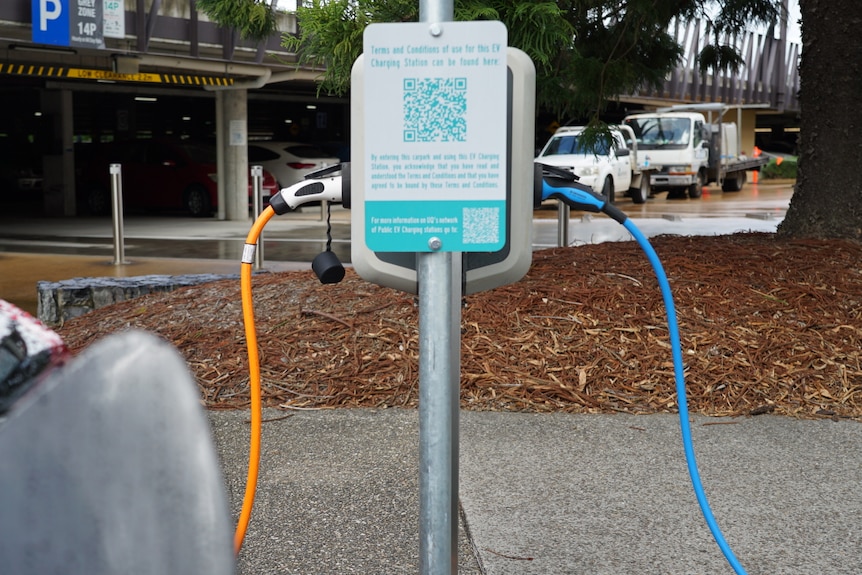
76	23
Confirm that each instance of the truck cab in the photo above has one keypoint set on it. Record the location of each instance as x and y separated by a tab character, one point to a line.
687	152
677	145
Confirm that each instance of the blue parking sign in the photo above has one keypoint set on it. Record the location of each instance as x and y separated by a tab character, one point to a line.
51	22
77	23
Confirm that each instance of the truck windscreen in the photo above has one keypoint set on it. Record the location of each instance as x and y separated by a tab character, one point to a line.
661	133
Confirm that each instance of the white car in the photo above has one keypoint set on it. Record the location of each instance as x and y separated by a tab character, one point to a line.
289	162
606	171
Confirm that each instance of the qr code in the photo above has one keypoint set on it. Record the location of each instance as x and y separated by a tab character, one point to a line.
435	109
481	225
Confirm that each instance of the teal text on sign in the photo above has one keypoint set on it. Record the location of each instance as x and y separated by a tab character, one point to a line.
435	151
459	226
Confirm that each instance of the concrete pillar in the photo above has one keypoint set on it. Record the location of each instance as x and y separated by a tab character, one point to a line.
58	163
221	138
233	170
746	131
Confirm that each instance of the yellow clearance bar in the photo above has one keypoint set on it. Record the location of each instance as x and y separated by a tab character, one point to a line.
91	74
85	74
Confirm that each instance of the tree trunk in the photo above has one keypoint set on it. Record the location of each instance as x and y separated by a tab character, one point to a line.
827	202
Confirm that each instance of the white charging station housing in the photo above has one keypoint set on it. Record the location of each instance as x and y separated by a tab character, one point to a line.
480	270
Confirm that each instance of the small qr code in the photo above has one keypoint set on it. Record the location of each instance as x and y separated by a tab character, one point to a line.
435	109
481	225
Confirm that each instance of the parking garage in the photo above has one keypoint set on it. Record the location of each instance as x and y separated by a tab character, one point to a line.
160	70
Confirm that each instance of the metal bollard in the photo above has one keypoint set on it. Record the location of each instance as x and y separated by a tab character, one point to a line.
257	208
563	212
116	171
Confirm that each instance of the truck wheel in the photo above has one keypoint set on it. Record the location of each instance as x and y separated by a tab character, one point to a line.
696	189
608	189
733	182
641	193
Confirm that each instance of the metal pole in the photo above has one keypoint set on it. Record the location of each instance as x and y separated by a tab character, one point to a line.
439	279
257	208
436	10
563	214
323	204
116	171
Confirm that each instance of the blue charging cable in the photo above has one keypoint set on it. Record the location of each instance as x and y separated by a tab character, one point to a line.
561	186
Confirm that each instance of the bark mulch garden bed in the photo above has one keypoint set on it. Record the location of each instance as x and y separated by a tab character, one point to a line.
768	325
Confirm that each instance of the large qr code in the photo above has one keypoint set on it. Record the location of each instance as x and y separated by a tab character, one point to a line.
435	109
480	225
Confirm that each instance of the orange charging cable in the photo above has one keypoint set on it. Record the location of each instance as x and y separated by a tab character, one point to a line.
254	375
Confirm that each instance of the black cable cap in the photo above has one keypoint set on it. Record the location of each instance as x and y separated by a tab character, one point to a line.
327	267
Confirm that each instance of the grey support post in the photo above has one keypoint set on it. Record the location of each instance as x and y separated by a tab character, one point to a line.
439	282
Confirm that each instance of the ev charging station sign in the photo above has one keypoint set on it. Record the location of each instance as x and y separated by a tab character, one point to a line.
435	148
76	23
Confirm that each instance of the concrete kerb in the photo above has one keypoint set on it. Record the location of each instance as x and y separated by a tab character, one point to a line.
63	300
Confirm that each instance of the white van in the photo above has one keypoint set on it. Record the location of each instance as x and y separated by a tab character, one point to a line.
610	171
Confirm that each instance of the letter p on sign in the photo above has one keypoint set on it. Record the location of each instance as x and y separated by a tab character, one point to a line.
50	10
51	22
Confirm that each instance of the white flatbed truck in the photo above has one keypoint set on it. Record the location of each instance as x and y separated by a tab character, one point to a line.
687	152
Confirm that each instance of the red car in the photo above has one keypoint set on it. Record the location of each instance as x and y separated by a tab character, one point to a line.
159	174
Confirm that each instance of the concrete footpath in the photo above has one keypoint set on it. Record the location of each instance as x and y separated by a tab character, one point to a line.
551	493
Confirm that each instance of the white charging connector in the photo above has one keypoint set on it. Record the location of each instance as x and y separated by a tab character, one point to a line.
318	186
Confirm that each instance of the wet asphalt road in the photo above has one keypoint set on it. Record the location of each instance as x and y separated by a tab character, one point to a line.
34	248
301	236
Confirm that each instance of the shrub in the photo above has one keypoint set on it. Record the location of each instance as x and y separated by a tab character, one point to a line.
785	170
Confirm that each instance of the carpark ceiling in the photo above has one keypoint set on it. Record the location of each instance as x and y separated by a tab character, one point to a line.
174	39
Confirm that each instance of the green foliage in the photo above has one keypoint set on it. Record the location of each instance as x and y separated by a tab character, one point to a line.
597	137
719	57
537	28
735	15
253	18
331	35
774	170
586	52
